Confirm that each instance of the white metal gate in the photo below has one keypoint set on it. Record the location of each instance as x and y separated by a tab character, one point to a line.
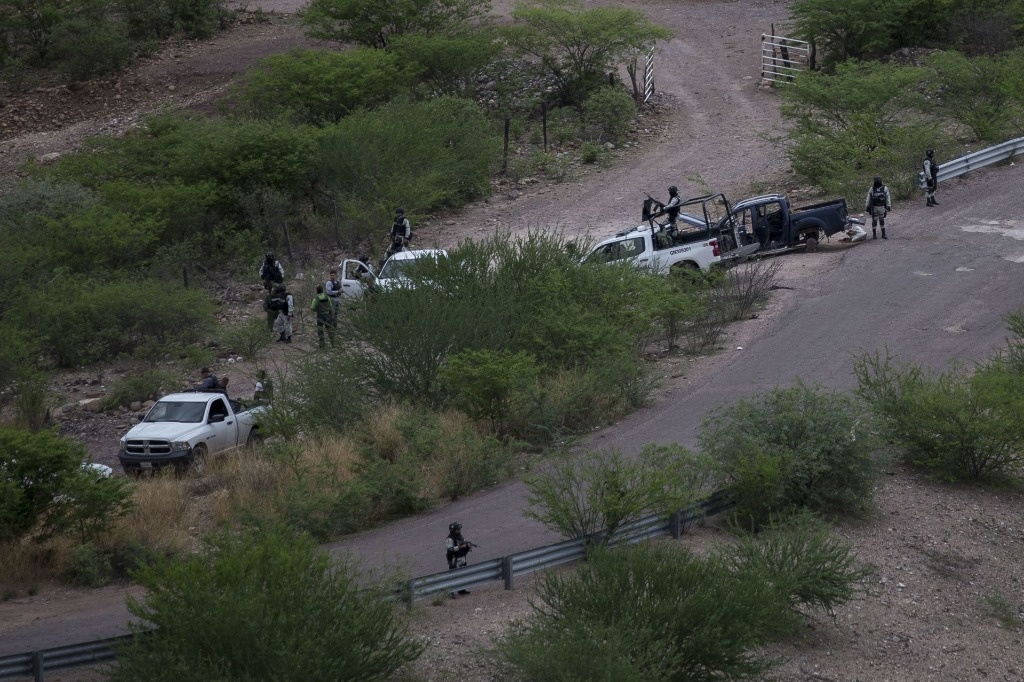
782	58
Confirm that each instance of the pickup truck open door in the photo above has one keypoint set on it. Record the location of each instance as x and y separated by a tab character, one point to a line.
356	278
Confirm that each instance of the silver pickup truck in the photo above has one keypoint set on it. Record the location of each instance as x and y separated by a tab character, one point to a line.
183	429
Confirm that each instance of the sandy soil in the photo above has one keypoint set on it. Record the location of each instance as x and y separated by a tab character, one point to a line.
942	553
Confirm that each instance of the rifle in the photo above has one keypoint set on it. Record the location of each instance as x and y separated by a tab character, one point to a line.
471	545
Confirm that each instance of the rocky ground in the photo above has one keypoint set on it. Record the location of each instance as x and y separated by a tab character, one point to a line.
946	601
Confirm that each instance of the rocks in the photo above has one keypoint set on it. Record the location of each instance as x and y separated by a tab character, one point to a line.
48	158
91	404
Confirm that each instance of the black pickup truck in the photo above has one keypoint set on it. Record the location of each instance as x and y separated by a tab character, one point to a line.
770	222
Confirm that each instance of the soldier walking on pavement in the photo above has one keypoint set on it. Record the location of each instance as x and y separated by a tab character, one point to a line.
878	203
931	176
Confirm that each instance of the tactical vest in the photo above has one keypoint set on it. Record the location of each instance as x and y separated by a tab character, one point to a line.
398	229
878	196
323	305
279	303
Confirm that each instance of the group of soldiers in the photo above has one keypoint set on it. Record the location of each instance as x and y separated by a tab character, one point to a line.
878	201
279	304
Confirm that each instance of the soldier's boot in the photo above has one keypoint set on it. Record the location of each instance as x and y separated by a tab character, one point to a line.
883	234
934	203
874	233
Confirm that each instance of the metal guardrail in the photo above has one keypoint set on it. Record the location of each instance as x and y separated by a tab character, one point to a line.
505	569
980	159
509	567
36	663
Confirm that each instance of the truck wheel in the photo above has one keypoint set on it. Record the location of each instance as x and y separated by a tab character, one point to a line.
812	244
197	464
255	438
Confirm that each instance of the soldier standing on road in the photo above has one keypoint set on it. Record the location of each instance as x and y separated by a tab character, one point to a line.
931	176
878	203
322	306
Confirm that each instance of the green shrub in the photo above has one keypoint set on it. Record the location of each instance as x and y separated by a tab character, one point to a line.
45	491
88	566
32	400
247	337
591	153
792	448
146	385
841	139
96	321
374	23
485	383
976	93
321	86
803	559
157	19
611	112
958	424
651	612
601	491
449	64
261	605
85	48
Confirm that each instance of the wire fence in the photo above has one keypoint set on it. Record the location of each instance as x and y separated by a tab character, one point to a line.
783	58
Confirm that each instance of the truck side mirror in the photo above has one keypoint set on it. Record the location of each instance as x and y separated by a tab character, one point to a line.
216	418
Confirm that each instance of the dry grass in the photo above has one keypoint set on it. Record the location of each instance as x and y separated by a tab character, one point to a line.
26	564
162	519
382	431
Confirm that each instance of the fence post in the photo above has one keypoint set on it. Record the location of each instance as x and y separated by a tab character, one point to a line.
507	573
37	666
675	525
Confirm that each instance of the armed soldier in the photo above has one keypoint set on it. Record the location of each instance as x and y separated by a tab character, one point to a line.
878	203
931	176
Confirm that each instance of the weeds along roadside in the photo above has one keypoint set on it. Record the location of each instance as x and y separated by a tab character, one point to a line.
502	369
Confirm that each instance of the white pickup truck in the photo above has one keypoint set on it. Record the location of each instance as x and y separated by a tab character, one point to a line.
652	247
356	279
183	429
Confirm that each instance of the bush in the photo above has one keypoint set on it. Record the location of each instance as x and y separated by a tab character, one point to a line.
449	64
652	612
45	491
97	321
320	86
374	23
792	448
85	48
485	383
261	605
423	155
959	425
842	139
31	401
89	567
247	337
976	93
591	152
146	385
611	112
800	557
601	491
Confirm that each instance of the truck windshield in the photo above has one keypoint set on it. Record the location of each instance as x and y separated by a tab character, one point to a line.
171	411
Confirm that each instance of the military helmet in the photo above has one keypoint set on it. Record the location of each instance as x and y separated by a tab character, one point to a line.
400	210
454	527
269	255
930	152
673	190
878	180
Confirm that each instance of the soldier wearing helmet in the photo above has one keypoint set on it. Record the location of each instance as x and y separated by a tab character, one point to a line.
878	203
271	272
456	547
670	210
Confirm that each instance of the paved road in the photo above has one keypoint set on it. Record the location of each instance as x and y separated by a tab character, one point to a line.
937	290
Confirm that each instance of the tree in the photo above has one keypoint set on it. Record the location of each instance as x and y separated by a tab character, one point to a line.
852	29
447	64
604	489
975	92
374	23
577	46
842	138
264	604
